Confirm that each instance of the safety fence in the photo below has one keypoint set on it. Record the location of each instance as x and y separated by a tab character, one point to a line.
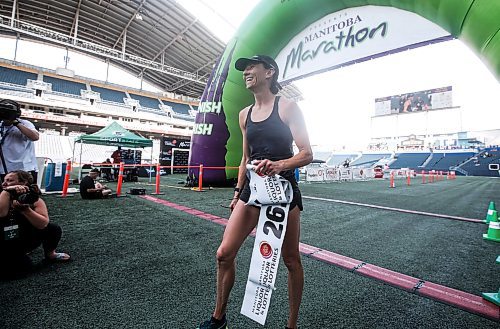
338	174
315	174
155	171
332	174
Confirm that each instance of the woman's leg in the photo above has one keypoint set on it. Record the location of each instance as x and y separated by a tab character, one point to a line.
291	258
50	236
242	221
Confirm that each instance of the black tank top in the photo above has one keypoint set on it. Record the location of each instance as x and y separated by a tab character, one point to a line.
269	139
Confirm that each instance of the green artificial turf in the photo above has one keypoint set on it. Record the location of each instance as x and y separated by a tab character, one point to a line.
138	264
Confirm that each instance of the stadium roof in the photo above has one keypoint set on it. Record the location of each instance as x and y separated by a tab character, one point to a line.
157	39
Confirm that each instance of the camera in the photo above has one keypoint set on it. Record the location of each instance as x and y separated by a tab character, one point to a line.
29	197
9	110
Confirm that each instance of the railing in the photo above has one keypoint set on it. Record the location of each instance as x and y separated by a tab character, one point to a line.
183	116
460	170
151	110
13	86
426	162
18	93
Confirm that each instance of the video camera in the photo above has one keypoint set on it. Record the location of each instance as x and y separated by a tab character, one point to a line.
9	110
29	197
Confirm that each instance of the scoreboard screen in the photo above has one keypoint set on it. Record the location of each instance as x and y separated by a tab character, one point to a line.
418	101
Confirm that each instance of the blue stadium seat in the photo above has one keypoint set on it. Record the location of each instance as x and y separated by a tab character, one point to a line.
368	160
178	107
65	86
479	164
148	102
443	161
109	94
15	77
338	159
409	160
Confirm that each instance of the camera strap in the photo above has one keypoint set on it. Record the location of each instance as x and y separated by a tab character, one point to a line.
3	134
11	231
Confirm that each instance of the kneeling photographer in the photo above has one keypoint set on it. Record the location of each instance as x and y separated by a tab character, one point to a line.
25	225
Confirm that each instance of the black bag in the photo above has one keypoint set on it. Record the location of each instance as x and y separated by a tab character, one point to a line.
137	191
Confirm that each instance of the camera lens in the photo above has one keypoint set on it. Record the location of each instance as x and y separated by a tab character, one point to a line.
29	197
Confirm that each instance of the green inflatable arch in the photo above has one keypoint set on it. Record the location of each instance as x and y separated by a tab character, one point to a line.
269	28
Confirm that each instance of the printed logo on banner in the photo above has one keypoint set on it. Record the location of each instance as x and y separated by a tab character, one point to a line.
266	250
314	174
345	174
267	189
350	35
331	174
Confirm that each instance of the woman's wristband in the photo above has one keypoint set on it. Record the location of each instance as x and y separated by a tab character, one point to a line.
237	192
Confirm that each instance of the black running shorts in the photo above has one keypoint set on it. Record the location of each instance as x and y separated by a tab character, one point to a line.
297	196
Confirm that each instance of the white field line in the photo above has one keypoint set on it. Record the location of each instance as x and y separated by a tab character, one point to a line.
423	213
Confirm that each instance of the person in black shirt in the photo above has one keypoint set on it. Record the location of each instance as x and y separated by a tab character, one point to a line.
269	127
90	189
25	225
106	170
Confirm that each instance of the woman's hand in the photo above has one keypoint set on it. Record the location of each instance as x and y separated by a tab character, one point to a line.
20	206
234	201
268	167
17	189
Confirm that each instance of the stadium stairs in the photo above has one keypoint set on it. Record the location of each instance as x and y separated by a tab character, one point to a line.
478	165
367	160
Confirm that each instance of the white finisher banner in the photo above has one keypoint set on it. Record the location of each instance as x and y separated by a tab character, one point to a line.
273	194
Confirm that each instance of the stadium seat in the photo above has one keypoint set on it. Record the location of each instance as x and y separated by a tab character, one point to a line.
109	94
15	76
148	102
178	108
409	160
65	86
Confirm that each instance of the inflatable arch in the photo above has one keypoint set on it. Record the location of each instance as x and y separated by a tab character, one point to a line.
306	37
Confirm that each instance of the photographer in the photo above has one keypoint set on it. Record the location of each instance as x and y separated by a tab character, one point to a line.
17	148
25	224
